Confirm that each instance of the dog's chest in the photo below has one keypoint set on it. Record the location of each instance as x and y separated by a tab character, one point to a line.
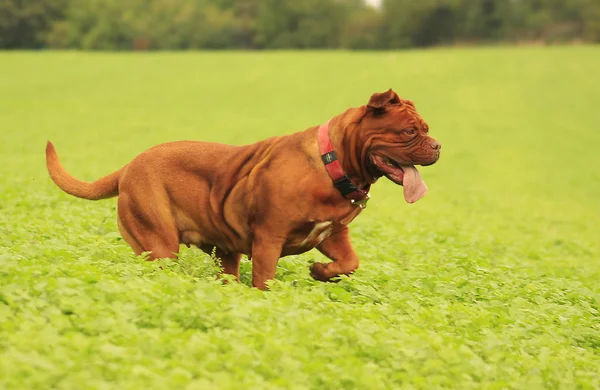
319	232
307	236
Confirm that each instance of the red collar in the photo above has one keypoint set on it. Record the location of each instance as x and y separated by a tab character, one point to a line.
341	181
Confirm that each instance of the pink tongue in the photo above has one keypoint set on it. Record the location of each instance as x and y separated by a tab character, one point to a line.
414	187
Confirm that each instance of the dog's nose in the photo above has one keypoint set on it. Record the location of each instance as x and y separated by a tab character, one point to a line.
436	145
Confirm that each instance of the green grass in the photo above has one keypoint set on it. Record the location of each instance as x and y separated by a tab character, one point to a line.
490	281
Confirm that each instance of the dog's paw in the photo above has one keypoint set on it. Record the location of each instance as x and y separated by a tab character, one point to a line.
318	272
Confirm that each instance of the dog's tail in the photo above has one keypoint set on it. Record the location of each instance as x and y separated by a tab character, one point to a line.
107	187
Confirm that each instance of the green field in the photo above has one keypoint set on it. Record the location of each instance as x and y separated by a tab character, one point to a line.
490	281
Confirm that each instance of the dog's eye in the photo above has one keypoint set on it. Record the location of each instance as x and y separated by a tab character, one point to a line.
410	132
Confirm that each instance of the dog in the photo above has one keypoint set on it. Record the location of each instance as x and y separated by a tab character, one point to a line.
278	197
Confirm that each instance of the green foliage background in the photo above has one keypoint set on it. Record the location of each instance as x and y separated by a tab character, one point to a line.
490	281
299	24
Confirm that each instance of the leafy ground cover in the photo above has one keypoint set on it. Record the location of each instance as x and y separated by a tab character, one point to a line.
490	281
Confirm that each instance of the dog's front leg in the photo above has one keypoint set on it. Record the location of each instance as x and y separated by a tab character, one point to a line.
339	249
265	255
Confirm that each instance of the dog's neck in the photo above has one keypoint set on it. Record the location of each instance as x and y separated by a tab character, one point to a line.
352	151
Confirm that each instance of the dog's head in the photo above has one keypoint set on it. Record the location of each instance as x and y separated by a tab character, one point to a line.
397	139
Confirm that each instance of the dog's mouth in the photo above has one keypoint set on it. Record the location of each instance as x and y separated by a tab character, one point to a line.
402	174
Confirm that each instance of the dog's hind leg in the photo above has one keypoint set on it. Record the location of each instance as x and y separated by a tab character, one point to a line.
229	261
129	238
146	230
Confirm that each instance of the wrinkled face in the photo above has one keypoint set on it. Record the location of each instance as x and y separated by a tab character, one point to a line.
398	138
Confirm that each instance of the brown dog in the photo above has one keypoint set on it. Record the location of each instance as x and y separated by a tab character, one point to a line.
278	197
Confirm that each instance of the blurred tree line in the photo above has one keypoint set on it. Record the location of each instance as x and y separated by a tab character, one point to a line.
294	24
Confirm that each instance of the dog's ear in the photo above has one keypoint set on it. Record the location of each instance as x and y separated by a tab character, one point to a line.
379	101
